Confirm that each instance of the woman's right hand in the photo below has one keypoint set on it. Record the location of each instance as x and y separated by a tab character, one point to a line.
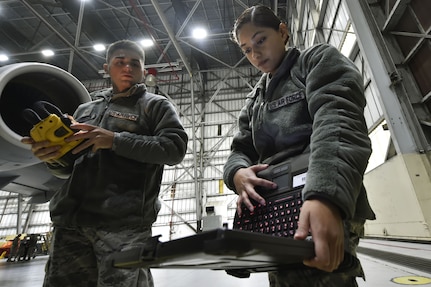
42	150
245	179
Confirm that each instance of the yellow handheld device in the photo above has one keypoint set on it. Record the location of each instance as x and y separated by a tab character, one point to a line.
55	129
49	123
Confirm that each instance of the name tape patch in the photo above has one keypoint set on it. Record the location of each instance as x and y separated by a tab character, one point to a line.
286	100
126	116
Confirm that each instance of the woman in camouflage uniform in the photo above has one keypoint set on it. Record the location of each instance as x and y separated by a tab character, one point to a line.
312	101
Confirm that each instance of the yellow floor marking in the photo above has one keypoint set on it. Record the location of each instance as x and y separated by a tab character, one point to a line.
411	280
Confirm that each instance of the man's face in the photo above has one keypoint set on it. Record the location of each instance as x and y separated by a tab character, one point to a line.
125	68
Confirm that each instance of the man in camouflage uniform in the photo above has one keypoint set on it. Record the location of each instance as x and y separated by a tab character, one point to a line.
110	199
14	248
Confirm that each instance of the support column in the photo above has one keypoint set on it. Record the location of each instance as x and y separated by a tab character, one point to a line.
374	53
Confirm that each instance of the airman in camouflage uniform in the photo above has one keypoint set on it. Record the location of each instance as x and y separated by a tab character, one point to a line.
306	101
110	198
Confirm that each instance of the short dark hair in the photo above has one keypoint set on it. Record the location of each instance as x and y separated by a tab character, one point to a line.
258	15
127	45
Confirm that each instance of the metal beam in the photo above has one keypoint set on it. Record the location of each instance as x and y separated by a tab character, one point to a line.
371	43
396	13
19	215
171	34
180	51
41	18
77	35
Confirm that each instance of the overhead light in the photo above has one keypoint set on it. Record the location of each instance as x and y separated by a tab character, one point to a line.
199	33
48	53
150	77
99	47
3	58
147	43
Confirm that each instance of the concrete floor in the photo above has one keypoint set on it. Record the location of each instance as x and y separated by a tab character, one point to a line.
379	272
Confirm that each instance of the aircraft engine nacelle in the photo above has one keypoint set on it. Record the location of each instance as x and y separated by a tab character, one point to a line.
21	85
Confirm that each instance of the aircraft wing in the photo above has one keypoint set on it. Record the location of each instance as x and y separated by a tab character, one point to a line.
21	85
34	181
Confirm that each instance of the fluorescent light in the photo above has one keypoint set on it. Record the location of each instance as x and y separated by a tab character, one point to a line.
99	47
47	53
147	43
3	58
199	33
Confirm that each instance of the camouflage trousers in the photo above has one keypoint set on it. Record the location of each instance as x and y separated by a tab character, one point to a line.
311	277
81	257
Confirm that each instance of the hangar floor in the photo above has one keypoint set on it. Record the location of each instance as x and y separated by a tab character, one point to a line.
386	263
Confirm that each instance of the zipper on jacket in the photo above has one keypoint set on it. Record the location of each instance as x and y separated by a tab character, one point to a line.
260	96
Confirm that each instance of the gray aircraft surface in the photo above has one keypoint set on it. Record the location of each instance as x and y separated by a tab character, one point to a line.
21	85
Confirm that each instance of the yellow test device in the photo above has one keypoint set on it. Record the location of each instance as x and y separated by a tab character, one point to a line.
49	123
54	129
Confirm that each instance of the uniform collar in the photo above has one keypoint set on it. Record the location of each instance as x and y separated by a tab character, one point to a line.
131	91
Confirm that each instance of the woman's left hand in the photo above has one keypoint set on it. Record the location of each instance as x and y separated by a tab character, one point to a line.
322	219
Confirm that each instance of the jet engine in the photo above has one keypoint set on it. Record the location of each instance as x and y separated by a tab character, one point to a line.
21	85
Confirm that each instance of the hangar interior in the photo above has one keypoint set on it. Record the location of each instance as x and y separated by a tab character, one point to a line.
207	81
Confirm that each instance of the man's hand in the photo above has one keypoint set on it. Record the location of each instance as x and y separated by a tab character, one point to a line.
245	180
94	137
43	150
323	220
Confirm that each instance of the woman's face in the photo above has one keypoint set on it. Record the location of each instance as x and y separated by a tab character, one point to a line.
264	47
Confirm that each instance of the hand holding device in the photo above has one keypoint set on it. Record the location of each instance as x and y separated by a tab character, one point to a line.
49	123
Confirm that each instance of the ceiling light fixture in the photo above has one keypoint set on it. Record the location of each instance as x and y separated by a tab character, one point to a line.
199	33
150	77
48	53
99	47
147	43
3	58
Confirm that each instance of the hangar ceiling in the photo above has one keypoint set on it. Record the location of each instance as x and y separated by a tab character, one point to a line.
71	28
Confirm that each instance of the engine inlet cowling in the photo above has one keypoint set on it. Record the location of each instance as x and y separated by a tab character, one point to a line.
21	85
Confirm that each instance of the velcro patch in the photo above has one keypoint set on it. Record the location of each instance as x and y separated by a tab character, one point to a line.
286	100
125	116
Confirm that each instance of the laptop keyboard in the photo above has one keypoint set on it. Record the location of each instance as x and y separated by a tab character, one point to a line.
279	217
